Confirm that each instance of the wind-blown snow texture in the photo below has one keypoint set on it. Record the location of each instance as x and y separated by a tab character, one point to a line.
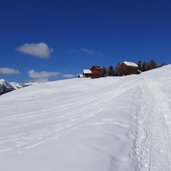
106	124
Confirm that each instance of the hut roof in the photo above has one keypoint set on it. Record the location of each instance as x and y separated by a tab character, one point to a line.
87	71
131	64
99	67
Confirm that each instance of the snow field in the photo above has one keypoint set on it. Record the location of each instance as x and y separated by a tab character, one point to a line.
106	124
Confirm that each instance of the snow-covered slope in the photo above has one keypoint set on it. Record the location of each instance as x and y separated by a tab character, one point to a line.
106	124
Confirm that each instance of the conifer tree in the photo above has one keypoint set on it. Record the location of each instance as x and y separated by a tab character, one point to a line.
144	66
152	64
140	65
110	71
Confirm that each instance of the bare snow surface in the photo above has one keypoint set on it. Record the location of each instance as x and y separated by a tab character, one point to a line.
106	124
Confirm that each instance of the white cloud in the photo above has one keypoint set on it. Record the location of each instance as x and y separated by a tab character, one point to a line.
39	80
67	75
40	50
86	50
9	71
42	76
83	50
100	53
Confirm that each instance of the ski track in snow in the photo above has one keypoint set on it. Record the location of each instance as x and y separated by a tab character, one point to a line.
135	106
153	142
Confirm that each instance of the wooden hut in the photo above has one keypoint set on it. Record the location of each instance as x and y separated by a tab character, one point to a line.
98	71
127	68
87	73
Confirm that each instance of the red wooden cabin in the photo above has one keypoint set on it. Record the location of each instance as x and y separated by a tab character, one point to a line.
98	71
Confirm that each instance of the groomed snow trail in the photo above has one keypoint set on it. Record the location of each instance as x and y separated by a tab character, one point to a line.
153	141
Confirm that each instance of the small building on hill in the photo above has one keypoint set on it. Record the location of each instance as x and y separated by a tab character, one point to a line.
87	73
98	71
127	68
80	76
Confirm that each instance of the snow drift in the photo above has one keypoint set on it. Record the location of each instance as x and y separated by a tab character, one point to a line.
106	124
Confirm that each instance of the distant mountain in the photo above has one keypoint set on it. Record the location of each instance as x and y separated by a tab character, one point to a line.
5	87
16	85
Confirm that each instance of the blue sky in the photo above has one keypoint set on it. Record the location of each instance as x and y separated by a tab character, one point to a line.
49	40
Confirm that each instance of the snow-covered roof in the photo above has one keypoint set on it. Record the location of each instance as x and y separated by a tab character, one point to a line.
87	71
130	64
